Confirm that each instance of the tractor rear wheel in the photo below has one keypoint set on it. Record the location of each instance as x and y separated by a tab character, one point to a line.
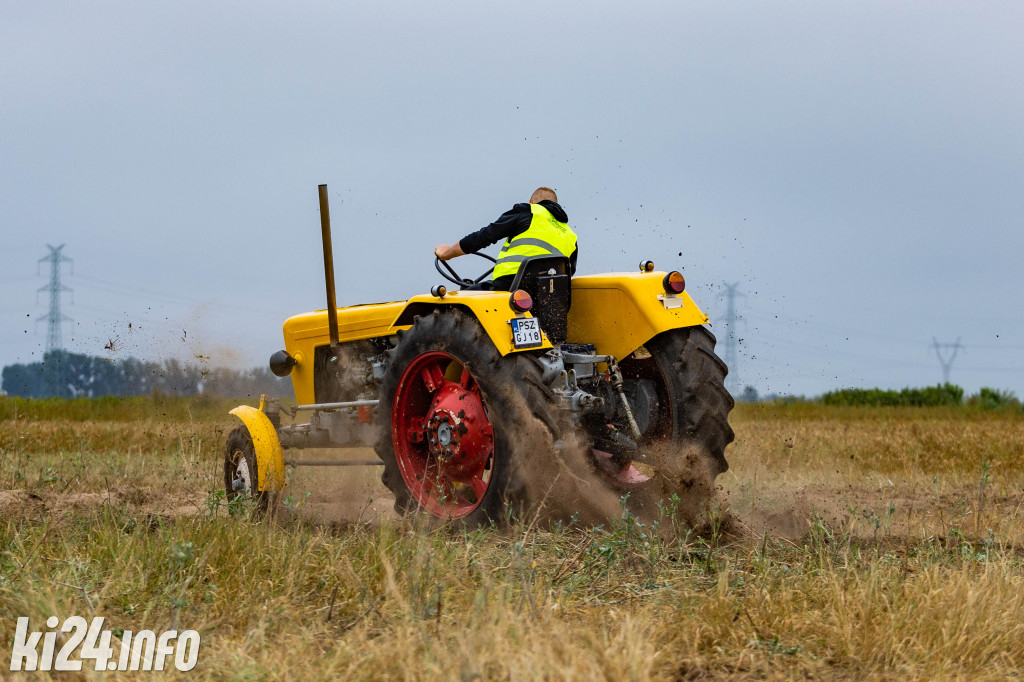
459	415
240	472
693	411
698	401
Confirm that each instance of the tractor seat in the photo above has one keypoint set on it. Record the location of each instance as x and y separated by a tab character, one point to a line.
547	280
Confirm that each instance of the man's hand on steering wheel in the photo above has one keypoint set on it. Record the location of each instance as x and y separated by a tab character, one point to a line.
446	252
454	277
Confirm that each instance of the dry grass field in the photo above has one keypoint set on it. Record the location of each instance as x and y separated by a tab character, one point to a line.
846	543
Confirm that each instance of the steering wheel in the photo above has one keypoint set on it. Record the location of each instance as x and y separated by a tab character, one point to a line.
463	282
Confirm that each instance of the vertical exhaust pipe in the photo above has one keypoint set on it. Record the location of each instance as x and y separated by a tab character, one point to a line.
332	303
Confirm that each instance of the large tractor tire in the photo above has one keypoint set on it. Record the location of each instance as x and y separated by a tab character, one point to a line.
687	449
460	416
240	465
698	402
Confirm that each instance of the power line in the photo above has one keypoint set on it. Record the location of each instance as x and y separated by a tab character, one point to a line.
995	346
820	326
781	318
18	278
775	343
133	291
172	299
992	369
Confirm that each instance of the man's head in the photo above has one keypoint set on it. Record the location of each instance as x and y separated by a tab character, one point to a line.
542	193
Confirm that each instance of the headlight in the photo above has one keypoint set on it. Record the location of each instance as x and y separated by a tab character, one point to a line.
281	363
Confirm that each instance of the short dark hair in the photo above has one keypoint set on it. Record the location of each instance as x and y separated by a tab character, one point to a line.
542	193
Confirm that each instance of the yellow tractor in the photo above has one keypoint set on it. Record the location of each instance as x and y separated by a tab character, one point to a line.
453	388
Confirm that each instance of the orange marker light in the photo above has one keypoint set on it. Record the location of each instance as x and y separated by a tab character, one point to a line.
520	301
439	291
646	266
674	282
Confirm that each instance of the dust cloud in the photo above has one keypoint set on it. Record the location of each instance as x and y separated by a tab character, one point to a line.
552	481
559	483
562	482
338	495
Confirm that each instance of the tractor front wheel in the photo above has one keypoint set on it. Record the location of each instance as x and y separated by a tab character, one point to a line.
240	472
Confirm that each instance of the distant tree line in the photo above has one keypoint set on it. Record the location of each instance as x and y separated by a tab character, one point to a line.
941	395
70	375
931	396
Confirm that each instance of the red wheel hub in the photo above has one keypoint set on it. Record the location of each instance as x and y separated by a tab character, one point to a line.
444	442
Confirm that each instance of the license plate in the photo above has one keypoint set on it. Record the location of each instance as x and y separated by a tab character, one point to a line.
525	332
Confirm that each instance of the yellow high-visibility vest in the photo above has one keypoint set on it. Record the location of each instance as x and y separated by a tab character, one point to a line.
545	236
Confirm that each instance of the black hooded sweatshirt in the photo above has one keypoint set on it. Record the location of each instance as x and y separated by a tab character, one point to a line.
511	223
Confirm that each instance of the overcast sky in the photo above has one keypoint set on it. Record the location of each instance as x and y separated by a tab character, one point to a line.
858	167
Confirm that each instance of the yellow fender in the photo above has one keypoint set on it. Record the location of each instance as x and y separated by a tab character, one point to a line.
269	456
303	333
621	311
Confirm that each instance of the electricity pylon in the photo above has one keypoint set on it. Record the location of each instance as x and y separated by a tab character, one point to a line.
54	317
732	380
947	363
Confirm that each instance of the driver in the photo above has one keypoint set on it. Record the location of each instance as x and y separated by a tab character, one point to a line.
534	229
